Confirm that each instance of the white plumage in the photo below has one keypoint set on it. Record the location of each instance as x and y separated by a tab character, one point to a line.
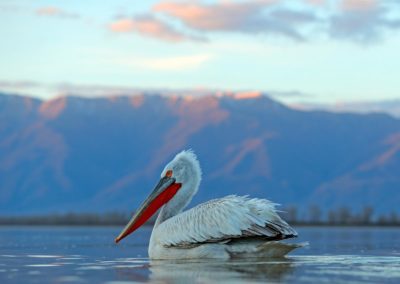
233	226
222	219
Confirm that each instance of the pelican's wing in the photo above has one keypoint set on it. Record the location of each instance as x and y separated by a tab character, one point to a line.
224	219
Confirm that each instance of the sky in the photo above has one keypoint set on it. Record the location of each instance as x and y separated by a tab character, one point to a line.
317	51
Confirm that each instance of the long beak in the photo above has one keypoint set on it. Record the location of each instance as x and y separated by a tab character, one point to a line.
161	194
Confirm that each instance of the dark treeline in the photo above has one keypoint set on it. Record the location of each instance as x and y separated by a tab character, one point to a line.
342	216
68	219
314	216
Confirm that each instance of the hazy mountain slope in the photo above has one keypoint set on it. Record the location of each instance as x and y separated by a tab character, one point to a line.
79	154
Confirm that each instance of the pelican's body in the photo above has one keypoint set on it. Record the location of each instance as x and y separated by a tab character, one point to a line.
228	227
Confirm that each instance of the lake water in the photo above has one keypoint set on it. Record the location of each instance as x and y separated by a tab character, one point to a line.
88	255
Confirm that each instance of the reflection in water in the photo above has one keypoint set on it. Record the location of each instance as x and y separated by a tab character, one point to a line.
221	271
87	255
300	269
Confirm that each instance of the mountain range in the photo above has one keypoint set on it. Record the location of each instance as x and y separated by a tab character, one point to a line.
77	154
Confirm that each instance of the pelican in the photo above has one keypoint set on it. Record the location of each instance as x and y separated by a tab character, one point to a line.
224	228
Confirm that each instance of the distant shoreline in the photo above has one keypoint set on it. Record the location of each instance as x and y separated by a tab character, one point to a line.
120	219
151	224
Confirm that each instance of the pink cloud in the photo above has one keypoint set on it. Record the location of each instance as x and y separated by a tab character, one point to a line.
221	16
151	27
55	12
358	5
48	11
262	16
361	21
123	25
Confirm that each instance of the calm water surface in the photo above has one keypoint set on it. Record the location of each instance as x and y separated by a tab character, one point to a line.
88	255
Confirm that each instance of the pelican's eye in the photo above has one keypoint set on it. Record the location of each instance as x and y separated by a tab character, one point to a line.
168	173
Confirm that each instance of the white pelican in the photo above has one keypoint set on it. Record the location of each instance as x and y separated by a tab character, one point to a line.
229	227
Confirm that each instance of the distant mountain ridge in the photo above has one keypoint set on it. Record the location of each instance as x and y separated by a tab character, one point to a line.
101	154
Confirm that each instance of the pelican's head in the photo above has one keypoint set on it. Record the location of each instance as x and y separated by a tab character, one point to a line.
179	181
185	169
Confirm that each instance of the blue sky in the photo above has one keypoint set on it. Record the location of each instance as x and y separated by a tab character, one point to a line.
306	50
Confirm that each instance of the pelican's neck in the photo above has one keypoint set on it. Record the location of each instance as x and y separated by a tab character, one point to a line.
179	201
166	213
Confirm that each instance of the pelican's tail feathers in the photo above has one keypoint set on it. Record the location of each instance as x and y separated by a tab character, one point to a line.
270	249
276	249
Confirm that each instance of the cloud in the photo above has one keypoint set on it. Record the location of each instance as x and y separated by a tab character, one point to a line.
41	89
64	88
358	5
316	2
52	11
361	21
289	94
150	26
391	107
218	16
6	7
19	85
244	17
